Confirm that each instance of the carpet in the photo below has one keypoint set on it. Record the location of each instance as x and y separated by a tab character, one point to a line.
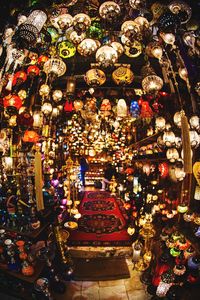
100	269
102	223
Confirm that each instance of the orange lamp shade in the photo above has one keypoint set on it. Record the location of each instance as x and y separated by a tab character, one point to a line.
33	70
42	59
164	169
19	77
12	103
30	136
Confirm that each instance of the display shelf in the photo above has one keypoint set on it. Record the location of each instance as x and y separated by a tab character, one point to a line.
39	266
145	141
32	234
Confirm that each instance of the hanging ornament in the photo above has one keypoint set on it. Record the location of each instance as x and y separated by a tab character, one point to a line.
134	109
87	47
30	136
66	49
12	103
81	22
109	11
151	83
95	77
106	56
122	76
122	108
134	50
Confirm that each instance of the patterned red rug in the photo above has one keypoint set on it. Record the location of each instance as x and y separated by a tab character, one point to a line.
103	222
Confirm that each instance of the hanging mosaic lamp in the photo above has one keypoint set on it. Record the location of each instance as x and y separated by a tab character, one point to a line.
12	103
122	76
87	47
95	77
66	49
109	10
151	83
106	56
122	109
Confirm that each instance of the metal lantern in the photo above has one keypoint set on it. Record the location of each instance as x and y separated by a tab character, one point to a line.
122	76
109	10
62	22
55	66
106	56
151	83
169	138
28	31
95	77
12	103
134	49
131	30
168	38
194	139
81	22
181	9
154	49
87	47
44	90
177	119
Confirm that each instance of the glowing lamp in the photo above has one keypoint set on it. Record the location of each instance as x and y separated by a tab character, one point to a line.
109	10
30	136
81	22
122	108
106	56
33	71
19	78
194	122
160	123
46	108
95	77
194	262
12	103
175	252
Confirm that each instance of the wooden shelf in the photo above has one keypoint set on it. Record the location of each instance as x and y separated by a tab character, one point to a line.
30	279
153	159
145	141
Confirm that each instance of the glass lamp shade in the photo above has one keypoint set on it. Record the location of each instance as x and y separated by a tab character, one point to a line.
37	119
19	78
160	123
118	47
131	30
77	38
33	71
7	162
109	10
12	103
168	38
55	66
28	31
30	136
179	173
57	95
194	139
194	122
62	22
182	208
81	22
66	49
162	289
78	105
71	85
172	154
106	56
95	77
136	4
87	47
197	193
122	108
134	50
183	73
122	76
134	109
175	252
177	119
169	138
189	252
44	90
188	216
154	49
179	270
46	108
152	83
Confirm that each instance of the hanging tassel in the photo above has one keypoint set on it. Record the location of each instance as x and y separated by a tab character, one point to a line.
187	157
38	181
9	84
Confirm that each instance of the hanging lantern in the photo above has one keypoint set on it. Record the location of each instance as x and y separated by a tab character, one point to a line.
122	76
106	56
118	47
28	32
33	71
197	193
105	106
146	111
151	83
62	22
169	138
57	95
44	90
66	49
172	154
46	108
179	171
122	108
25	119
42	59
55	66
78	105
137	4
181	9
154	49
163	169
19	78
87	47
95	77
53	33
68	106
134	109
133	49
182	208
131	30
81	22
168	22
37	119
160	123
194	139
196	171
109	11
188	216
177	119
30	136
194	122
71	86
168	38
76	38
12	103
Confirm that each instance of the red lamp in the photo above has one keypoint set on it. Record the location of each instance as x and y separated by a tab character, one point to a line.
42	59
68	106
19	78
164	169
33	71
12	103
30	136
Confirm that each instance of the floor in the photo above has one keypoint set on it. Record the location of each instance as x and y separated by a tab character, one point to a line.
123	289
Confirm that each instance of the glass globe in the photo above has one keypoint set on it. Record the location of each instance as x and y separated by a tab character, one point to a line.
172	154
177	119
109	10
194	122
118	47
152	83
160	123
87	47
57	95
106	56
168	38
131	30
46	108
81	22
77	38
194	139
56	66
95	77
169	138
44	90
